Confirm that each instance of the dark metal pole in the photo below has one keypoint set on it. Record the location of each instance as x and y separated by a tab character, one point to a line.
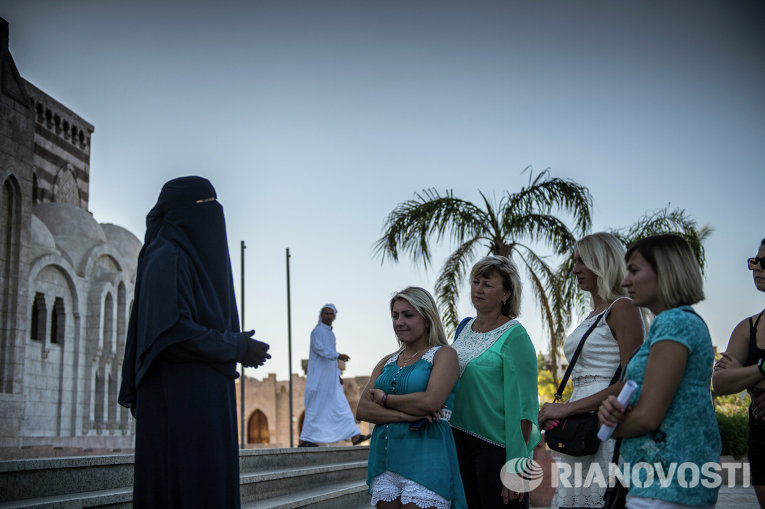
241	379
289	346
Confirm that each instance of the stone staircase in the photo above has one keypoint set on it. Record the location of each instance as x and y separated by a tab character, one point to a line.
321	477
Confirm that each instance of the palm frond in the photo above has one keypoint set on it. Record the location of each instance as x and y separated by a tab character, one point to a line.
547	295
547	194
541	228
448	283
665	220
413	224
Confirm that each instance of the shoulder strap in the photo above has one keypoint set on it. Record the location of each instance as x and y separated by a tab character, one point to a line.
564	381
462	326
753	326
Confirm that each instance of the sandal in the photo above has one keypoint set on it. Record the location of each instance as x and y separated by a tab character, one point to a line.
361	438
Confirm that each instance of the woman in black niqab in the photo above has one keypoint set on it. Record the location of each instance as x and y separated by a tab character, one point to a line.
181	351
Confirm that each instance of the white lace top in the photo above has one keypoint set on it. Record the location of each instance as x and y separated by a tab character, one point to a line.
471	344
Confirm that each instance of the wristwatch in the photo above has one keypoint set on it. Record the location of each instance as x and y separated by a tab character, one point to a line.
761	366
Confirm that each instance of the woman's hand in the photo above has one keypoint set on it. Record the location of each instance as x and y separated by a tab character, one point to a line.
509	496
551	414
377	395
611	412
727	361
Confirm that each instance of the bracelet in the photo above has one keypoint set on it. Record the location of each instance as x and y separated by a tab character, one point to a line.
384	399
761	366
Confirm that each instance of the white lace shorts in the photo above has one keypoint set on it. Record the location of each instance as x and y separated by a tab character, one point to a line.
389	486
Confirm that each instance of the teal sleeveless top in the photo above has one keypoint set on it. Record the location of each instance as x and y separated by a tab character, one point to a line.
428	456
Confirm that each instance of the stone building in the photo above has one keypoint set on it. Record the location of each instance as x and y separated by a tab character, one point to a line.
66	282
66	289
267	408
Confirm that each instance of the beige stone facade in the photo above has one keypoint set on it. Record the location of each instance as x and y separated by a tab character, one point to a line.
267	409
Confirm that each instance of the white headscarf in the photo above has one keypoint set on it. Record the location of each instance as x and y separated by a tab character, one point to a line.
330	306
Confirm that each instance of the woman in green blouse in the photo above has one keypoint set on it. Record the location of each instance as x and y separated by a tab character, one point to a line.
496	407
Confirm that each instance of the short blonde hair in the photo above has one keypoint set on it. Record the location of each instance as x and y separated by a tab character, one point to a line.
423	302
677	270
511	280
603	254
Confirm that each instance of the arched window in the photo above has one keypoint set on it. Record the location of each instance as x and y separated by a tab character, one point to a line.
58	322
108	323
100	395
257	428
39	314
35	190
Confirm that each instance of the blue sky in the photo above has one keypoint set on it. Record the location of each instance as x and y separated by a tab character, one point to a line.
315	119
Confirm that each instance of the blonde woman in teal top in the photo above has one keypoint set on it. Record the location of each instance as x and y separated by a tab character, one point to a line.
670	424
496	408
412	457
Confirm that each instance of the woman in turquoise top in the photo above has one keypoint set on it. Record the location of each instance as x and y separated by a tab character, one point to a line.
412	457
496	408
673	370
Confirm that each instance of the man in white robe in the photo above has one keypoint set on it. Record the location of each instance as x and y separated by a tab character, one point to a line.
328	416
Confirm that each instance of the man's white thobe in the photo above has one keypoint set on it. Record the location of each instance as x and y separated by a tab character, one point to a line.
328	416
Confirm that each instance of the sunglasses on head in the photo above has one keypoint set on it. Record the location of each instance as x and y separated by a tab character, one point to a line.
754	261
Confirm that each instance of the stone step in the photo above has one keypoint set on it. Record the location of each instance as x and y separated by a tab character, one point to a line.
346	495
258	460
334	476
52	477
277	483
115	498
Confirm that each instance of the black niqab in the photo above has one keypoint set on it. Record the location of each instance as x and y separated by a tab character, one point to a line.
184	218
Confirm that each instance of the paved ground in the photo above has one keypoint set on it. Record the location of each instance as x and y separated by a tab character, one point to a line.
734	498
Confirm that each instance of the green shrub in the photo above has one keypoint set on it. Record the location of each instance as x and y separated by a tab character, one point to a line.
733	421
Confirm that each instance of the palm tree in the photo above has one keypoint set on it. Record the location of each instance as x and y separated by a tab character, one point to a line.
666	221
509	228
656	222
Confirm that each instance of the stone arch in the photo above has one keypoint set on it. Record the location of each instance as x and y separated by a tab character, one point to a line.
100	255
63	266
257	428
10	246
66	189
53	298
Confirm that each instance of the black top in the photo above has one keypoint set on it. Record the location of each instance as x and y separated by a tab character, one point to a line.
755	353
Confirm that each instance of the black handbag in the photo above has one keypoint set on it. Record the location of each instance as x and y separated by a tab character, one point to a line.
615	496
576	435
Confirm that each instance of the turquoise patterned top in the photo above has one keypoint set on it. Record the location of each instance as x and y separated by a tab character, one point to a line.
428	456
689	431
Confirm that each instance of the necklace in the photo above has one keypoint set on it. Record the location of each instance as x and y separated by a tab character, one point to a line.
493	325
407	359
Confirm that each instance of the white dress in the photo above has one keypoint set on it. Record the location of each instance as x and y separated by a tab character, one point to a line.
328	416
592	373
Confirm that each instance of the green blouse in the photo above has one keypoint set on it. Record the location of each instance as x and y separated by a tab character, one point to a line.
498	389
